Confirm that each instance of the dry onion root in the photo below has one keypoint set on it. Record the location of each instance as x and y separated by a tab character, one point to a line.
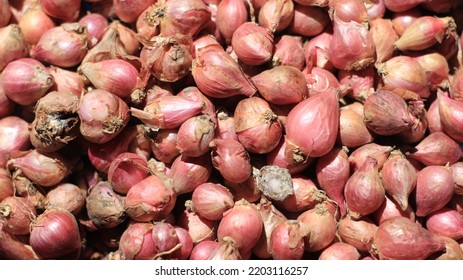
280	129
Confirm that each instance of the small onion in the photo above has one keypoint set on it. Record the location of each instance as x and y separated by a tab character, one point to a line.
187	173
126	170
230	15
287	241
68	197
231	159
445	222
14	136
199	228
437	149
34	23
318	226
203	250
63	10
276	15
340	251
253	44
358	233
211	200
17	213
104	207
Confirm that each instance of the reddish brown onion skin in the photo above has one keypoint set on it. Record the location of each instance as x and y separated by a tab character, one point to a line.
318	226
34	23
5	13
63	10
17	213
230	15
126	170
231	159
364	191
401	239
276	15
187	173
13	135
333	172
289	52
203	250
211	200
340	251
253	44
68	197
451	112
453	250
456	85
445	222
306	116
55	235
399	178
13	249
358	233
384	36
308	21
437	149
287	241
434	189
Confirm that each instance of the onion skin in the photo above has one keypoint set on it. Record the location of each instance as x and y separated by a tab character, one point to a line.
401	6
34	23
340	251
457	172
150	200
194	136
319	44
437	149
433	118
436	68
377	113
450	112
391	209
253	44
352	129
276	15
308	21
187	173
226	250
16	213
425	32
55	235
281	85
164	145
26	80
445	222
399	178
126	170
376	151
288	52
6	184
401	239
434	189
383	34
333	172
402	20
104	207
96	26
321	135
68	197
199	228
136	242
203	250
453	251
217	75
186	242
103	116
13	133
243	224
287	241
66	80
305	195
230	15
277	157
456	85
358	233
5	13
359	84
63	10
211	200
318	226
13	249
364	191
128	11
231	159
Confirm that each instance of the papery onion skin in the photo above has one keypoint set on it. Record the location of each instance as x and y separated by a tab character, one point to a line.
231	159
308	21
63	10
253	44
437	149
287	242
276	15
17	213
136	242
187	173
6	184
13	249
199	228
5	13
457	172
383	34
126	170
203	249
230	15
104	207
401	5
340	251
128	11
306	195
212	200
194	136
67	196
401	239
66	80
453	250
289	52
13	134
358	233
318	226
451	112
34	23
96	25
352	130
379	152
391	209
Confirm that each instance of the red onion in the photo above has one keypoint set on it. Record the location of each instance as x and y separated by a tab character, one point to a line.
340	251
230	15
256	125
287	241
318	3
307	116
400	6
13	249
231	159
226	250
401	239
453	251
194	136
247	190
276	15
358	233
68	197
34	23
457	172
436	68
225	125
164	145
6	184
103	116
14	136
352	46
168	112
399	178
359	84
384	36
396	74
391	209
203	250
104	207
318	226
66	80
183	253
116	76
349	10
450	112
253	44
333	172
433	117
375	9
386	113
437	149
425	32
55	235
320	80
364	191
376	151
271	218
101	155
62	10
305	195
445	222
352	129
17	213
136	242
126	170
402	20
96	26
243	225
288	52
165	239
281	85
63	46
319	45
6	105
456	85
277	157
26	80
308	20
128	11
150	199
211	200
434	189
199	228
5	13
187	173
194	93
218	75
44	169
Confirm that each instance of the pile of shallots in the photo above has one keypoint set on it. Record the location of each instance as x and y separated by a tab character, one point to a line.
231	129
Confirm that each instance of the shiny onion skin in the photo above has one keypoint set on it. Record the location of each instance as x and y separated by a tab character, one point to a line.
14	136
67	11
320	136
402	239
230	15
450	112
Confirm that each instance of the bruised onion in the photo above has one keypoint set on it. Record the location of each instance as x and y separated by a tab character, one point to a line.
103	116
104	207
445	222
55	234
434	189
401	239
63	46
364	191
318	226
26	80
17	213
253	44
150	199
231	159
